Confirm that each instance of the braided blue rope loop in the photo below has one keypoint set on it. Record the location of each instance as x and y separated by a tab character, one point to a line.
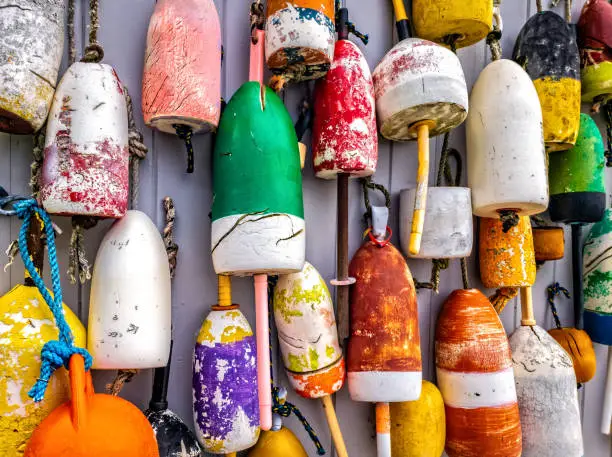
284	408
552	291
54	354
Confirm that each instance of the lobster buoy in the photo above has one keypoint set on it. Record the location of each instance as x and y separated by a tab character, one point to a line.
31	52
92	425
546	390
85	167
595	41
579	347
418	428
469	21
279	441
300	37
506	259
420	91
505	148
576	178
447	232
548	243
474	370
27	324
546	47
182	90
225	399
384	351
130	303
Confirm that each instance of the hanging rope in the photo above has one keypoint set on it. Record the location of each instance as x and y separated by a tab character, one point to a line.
509	219
55	353
93	51
168	234
366	185
552	291
138	150
257	18
493	40
78	265
554	3
71	37
123	377
184	132
539	5
502	297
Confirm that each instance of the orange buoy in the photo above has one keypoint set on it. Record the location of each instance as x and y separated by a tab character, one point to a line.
92	425
548	243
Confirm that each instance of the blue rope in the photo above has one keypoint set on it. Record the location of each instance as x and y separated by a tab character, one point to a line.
552	291
54	354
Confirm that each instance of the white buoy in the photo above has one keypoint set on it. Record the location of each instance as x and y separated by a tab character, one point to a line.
447	233
505	144
130	303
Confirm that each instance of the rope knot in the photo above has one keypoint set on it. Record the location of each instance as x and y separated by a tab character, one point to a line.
94	53
552	291
25	207
509	219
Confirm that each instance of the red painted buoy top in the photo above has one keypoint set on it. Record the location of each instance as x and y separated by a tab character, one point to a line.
345	139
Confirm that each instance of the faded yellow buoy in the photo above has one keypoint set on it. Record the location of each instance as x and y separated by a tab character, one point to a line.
279	441
418	428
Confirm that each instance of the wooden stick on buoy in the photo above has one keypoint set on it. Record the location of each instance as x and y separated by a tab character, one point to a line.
418	217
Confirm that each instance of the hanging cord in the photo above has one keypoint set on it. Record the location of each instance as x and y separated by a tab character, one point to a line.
55	353
138	150
495	35
71	37
552	291
257	19
78	265
554	3
364	37
366	185
607	114
184	132
94	52
502	297
539	5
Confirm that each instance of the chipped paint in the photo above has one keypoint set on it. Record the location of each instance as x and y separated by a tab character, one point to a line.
181	82
595	35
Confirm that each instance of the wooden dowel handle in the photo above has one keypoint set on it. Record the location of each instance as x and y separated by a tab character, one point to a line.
334	426
256	64
400	10
342	291
224	290
528	318
263	352
383	430
420	199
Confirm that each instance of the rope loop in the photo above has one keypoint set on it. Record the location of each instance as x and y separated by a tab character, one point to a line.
94	53
552	291
168	234
502	297
185	133
509	219
366	185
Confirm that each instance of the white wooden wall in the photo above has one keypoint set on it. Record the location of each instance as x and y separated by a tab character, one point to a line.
123	31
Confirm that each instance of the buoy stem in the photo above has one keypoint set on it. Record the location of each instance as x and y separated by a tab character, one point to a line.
401	20
342	291
334	426
159	397
36	249
606	420
77	389
420	199
383	430
256	66
528	318
342	24
224	290
263	351
577	274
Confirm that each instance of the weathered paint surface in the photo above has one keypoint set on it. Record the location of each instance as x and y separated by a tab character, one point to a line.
278	443
384	351
546	47
597	264
595	40
505	146
30	54
506	259
300	36
85	168
448	229
547	395
548	243
475	377
435	20
173	436
130	303
258	211
26	324
579	347
181	83
418	428
419	80
225	401
307	333
344	133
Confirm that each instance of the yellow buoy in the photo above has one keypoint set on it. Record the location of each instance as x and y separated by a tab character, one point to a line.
418	428
278	443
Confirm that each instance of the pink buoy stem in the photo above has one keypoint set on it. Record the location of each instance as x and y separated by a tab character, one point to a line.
263	351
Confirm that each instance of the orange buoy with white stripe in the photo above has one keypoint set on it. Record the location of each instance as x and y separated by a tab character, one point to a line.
475	376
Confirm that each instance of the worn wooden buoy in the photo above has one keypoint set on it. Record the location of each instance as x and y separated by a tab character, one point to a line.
225	398
475	376
130	303
579	347
182	90
546	48
30	57
308	339
85	168
595	40
420	92
546	390
418	428
300	37
505	148
92	425
548	243
26	324
448	229
469	21
506	259
384	351
576	178
279	441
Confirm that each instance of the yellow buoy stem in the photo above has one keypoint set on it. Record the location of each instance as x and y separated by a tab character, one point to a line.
225	290
420	200
527	307
231	454
334	426
400	10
